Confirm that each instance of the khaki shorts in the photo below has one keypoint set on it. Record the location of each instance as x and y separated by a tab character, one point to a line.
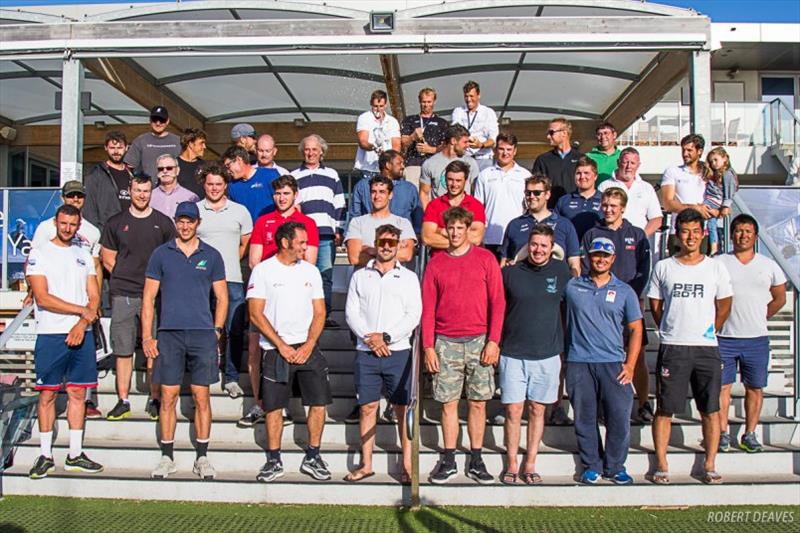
460	362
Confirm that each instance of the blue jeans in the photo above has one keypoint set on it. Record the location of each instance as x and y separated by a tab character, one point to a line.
325	258
589	385
235	328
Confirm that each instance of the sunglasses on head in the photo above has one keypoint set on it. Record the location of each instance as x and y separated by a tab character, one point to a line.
387	242
165	169
534	193
602	247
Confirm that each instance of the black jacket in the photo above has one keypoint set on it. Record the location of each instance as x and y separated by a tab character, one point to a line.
102	196
561	172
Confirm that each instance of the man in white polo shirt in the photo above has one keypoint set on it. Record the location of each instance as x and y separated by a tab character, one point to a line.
643	209
227	227
683	187
760	293
384	305
481	121
501	189
376	132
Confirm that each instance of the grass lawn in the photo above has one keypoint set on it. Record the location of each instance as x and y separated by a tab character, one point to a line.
20	513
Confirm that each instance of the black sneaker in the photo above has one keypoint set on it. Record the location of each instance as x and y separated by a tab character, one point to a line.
389	414
82	464
354	416
120	411
272	470
152	409
316	468
478	472
645	413
253	417
42	467
443	473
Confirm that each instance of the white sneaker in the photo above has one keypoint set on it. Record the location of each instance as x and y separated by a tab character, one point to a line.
233	389
166	466
202	467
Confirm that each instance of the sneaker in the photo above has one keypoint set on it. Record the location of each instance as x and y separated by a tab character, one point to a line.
750	444
92	411
120	411
202	467
82	464
316	468
590	477
42	467
354	415
389	415
497	420
272	470
620	478
254	416
724	442
646	413
478	472
443	473
558	417
233	389
152	408
165	467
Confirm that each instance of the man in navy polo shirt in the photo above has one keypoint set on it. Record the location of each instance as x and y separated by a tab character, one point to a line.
599	371
515	240
582	206
185	271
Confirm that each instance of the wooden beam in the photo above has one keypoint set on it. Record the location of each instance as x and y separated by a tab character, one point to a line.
137	85
659	77
391	76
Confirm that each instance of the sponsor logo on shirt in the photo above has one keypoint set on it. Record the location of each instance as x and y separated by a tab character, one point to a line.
629	243
611	295
550	284
250	286
81	262
709	334
665	372
257	185
201	265
125	227
688	290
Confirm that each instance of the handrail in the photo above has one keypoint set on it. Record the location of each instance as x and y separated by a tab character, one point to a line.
788	109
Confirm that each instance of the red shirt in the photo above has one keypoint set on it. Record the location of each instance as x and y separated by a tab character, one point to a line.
435	210
462	296
265	227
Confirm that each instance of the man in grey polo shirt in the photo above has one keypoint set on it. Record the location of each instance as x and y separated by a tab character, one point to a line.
227	227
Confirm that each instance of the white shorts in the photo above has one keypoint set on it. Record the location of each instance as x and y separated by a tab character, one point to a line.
532	380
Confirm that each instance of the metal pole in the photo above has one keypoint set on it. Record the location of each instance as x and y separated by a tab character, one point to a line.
796	318
725	121
700	93
71	120
5	241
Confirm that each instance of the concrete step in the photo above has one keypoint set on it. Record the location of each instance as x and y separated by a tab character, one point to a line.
384	490
228	458
685	432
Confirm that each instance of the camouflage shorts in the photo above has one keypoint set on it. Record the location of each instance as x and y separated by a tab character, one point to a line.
460	362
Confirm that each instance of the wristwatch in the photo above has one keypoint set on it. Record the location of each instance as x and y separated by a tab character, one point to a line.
387	338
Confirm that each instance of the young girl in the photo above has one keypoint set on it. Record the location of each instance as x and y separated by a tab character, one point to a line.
721	185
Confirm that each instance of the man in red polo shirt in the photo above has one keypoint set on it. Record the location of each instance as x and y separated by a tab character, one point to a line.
434	234
262	243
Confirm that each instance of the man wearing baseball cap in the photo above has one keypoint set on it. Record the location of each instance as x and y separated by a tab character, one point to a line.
184	270
599	368
145	149
245	135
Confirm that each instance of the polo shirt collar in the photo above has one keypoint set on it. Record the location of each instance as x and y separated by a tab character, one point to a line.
552	216
585	280
598	151
304	167
172	244
204	205
576	194
371	266
638	177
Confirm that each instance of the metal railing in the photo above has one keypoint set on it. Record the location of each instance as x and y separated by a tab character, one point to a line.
414	410
784	126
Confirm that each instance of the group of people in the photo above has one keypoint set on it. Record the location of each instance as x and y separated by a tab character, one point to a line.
537	277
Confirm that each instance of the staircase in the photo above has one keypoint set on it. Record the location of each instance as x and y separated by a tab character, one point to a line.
129	450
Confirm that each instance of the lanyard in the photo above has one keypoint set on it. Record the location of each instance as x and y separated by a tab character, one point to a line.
471	122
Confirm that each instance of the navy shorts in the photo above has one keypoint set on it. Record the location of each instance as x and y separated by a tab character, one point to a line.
186	350
373	373
752	357
57	364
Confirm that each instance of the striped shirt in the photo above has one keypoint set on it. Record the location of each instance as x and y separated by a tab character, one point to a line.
321	197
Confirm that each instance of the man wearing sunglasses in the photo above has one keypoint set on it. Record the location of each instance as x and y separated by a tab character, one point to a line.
145	149
559	163
599	367
384	306
169	193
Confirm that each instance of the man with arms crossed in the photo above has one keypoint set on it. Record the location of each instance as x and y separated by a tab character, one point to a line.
533	339
384	306
184	271
462	318
128	240
599	368
287	306
690	298
66	298
760	293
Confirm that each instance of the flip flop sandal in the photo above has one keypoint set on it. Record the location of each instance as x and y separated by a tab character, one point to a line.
660	477
508	478
711	477
355	477
531	478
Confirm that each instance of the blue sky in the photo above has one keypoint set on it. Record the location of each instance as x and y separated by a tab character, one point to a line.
718	10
